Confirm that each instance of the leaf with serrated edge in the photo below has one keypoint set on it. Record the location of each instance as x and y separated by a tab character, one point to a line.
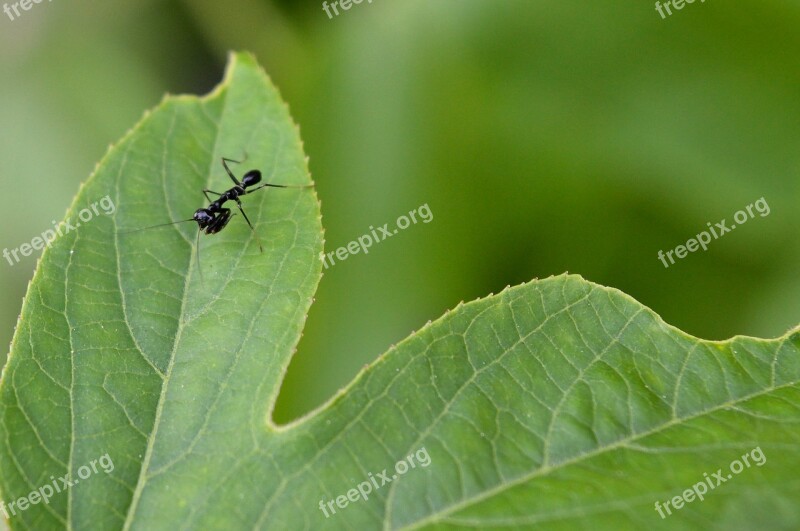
558	404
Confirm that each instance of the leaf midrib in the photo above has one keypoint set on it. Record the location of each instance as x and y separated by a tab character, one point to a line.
137	493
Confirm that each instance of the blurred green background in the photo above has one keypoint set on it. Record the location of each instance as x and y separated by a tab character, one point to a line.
546	136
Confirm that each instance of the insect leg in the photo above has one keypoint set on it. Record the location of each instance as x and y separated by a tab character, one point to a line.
239	204
206	192
230	173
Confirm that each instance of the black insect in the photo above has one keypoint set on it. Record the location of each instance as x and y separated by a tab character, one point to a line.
215	217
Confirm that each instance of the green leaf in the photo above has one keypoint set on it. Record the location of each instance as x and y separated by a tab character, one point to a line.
557	404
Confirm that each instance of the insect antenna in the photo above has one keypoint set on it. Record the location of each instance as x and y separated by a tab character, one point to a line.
197	257
154	226
259	187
